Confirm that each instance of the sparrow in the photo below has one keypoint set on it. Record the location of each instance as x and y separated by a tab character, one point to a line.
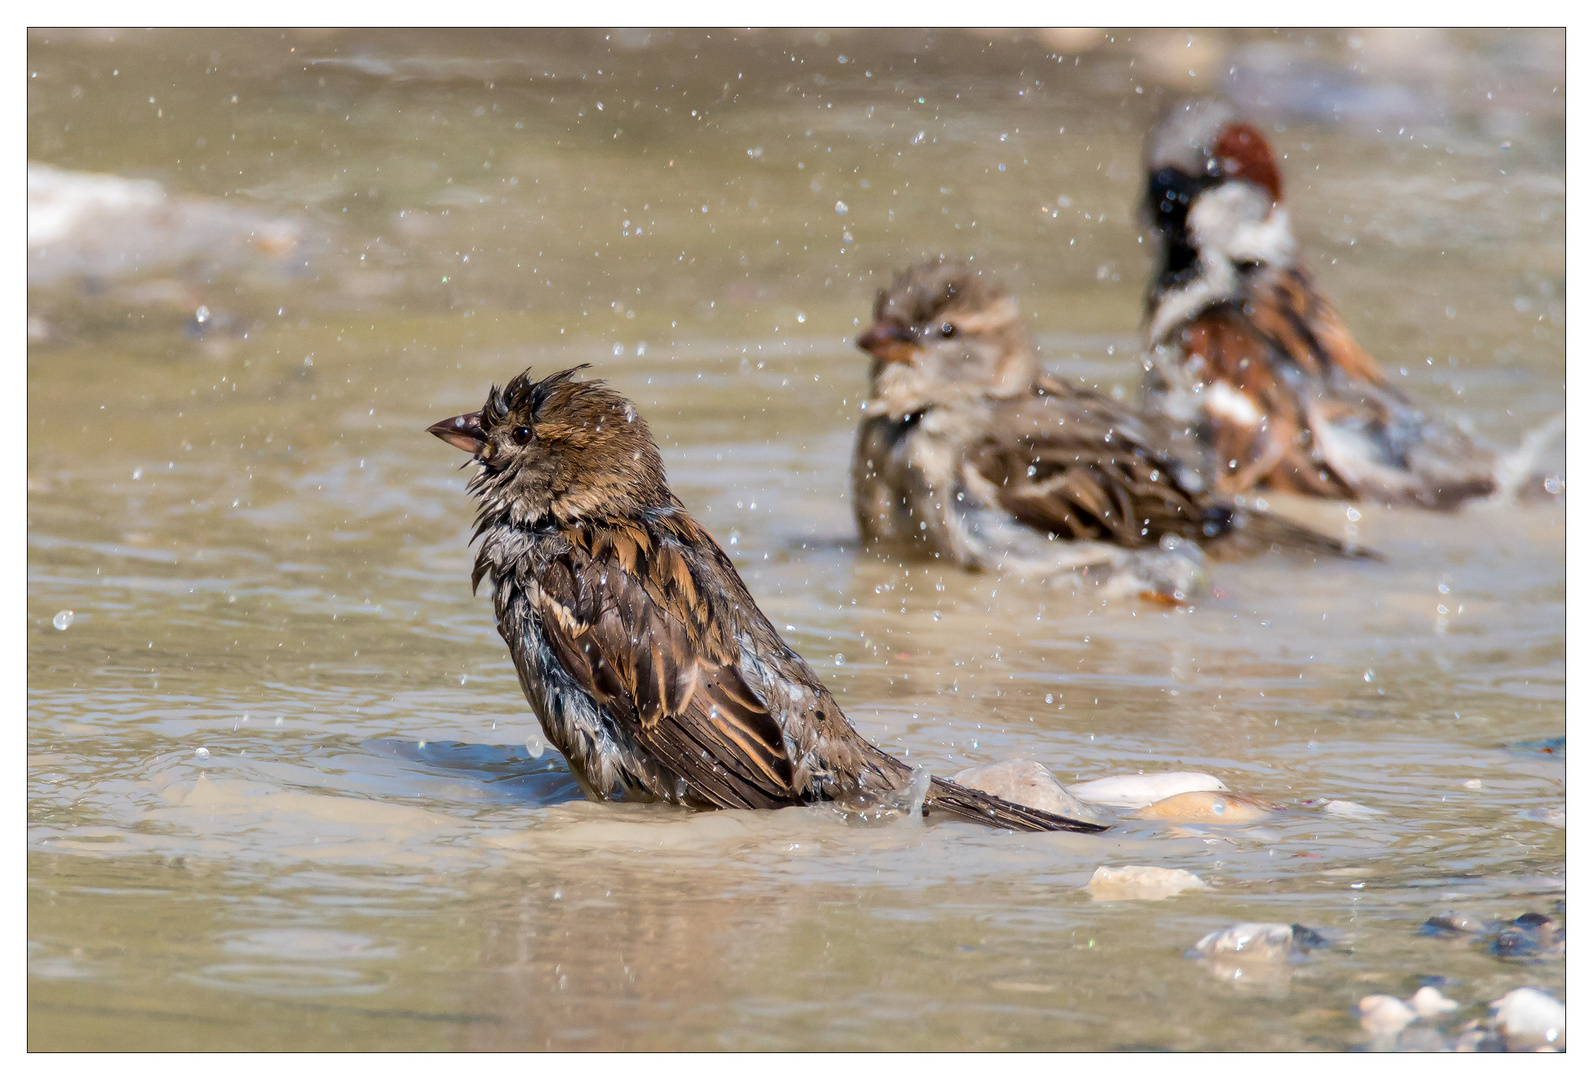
970	452
1245	350
648	663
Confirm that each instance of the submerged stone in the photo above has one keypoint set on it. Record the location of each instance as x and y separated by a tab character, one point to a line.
1030	783
1206	807
1140	882
1345	808
1259	941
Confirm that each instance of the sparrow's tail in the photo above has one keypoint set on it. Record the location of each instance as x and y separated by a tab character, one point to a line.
1520	468
1247	531
966	804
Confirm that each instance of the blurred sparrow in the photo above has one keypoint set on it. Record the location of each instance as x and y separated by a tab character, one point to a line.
1254	360
647	661
968	451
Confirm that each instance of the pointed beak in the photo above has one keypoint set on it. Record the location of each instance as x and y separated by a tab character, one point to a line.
888	342
463	432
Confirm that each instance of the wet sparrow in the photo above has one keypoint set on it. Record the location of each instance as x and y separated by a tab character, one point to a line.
647	661
1254	359
970	452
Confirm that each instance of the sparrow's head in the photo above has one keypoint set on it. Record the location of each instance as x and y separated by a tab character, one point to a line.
560	449
944	330
1213	182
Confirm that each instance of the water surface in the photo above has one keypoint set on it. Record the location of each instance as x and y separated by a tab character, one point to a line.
279	787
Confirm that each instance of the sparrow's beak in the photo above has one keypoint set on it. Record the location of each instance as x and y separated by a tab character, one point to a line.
888	342
463	432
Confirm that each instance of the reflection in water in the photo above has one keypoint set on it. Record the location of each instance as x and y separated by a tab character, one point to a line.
264	555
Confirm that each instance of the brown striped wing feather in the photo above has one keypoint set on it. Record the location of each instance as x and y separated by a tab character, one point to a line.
622	613
1076	464
1323	420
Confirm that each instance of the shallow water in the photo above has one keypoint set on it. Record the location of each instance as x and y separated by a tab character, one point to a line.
279	792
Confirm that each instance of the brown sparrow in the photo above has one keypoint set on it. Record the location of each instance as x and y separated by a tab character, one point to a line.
648	662
968	451
1253	359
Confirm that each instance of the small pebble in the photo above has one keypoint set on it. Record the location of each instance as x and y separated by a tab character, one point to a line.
1259	941
63	619
1140	882
1385	1015
1477	1037
1530	1019
1344	808
1528	937
1029	783
1206	807
1429	1002
1132	792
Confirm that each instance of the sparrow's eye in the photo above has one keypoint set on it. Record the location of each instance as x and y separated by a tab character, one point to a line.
520	434
947	330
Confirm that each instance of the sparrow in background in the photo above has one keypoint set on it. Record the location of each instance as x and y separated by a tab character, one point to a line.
1253	359
647	661
969	451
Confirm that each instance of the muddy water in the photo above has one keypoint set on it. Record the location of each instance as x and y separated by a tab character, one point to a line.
279	787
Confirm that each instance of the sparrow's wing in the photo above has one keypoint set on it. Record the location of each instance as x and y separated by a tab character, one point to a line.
1292	399
625	618
1077	464
1254	407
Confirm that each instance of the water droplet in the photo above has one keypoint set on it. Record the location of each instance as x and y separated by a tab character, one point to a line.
840	207
534	746
63	619
202	315
202	754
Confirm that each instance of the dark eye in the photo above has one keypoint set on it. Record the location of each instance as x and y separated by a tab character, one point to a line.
947	330
520	434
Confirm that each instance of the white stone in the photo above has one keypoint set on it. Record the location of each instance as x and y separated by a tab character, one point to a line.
1135	791
1028	783
1429	1002
1530	1019
1140	882
1384	1015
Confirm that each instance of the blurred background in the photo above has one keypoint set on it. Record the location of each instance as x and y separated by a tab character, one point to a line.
283	789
